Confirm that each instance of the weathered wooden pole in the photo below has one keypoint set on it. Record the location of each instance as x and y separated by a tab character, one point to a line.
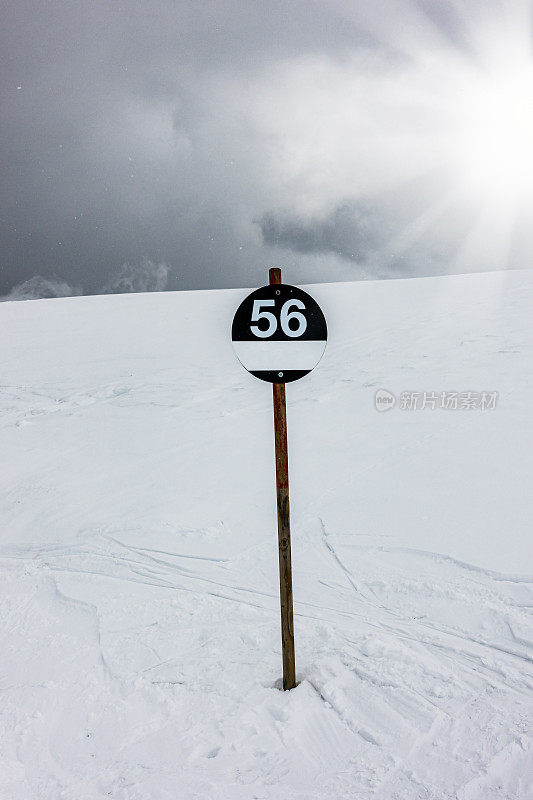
284	530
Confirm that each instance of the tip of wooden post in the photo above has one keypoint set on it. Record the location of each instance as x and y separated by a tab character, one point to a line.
274	274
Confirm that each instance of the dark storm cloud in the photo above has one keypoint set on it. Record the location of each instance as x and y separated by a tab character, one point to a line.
367	236
148	130
349	231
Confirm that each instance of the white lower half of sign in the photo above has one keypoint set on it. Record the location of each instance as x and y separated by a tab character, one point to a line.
284	355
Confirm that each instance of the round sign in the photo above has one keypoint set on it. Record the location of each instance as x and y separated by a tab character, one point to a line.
279	333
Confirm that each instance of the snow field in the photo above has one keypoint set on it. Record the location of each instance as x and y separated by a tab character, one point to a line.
139	595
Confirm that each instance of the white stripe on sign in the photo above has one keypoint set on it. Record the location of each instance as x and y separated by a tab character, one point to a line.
283	355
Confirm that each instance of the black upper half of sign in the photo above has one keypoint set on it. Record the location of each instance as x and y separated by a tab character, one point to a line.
316	329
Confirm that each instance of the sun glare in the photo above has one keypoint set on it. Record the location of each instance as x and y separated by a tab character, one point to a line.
437	142
495	136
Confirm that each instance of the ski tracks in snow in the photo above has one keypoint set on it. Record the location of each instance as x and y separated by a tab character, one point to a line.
414	659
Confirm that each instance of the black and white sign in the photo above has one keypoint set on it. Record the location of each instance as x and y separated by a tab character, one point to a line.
279	333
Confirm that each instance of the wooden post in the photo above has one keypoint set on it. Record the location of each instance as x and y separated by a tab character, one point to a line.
284	531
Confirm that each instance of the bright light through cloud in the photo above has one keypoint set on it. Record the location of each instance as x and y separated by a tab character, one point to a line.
442	137
495	146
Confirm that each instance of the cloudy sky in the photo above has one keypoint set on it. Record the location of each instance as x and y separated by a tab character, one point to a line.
201	142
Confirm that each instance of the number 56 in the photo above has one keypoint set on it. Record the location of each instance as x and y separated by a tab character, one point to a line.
285	318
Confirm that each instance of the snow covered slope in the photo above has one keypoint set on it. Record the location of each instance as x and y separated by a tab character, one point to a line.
139	596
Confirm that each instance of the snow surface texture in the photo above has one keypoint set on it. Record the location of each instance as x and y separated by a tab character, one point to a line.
140	633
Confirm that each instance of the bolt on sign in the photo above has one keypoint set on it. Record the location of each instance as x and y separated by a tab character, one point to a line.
279	334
